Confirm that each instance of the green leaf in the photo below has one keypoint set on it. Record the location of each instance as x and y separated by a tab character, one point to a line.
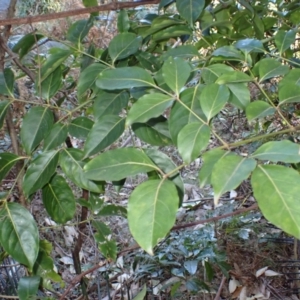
167	165
107	246
59	200
154	132
141	295
112	210
28	287
4	105
259	109
211	73
71	164
276	189
124	78
229	52
87	78
56	136
118	164
239	95
155	215
292	77
147	107
40	171
7	83
79	30
285	151
269	68
7	161
284	39
175	32
19	235
289	93
110	103
123	45
123	23
183	51
190	10
213	98
180	115
53	61
36	125
80	127
91	3
44	266
176	72
210	158
250	45
51	84
192	139
234	77
105	131
229	172
25	44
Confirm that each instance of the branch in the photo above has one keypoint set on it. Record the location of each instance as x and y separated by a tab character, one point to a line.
75	12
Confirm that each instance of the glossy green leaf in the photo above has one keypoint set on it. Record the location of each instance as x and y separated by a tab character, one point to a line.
250	45
123	45
210	158
213	98
110	103
175	32
284	39
141	295
124	78
112	210
59	200
44	266
233	77
180	115
183	51
289	93
51	84
108	247
269	68
28	287
123	21
229	52
7	161
154	132
176	72
192	139
80	127
259	109
7	80
106	130
40	171
56	136
155	214
71	163
148	61
229	172
211	73
79	30
87	78
4	105
190	10
25	44
292	77
164	162
36	125
19	235
285	151
276	189
239	95
118	164
54	61
147	107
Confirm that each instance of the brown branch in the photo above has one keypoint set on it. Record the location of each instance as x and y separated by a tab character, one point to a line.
75	12
218	295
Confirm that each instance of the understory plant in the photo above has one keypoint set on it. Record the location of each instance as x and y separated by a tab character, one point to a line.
165	79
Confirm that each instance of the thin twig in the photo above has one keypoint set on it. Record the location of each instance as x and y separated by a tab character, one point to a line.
220	288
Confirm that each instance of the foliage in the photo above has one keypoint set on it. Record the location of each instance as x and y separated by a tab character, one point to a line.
164	94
